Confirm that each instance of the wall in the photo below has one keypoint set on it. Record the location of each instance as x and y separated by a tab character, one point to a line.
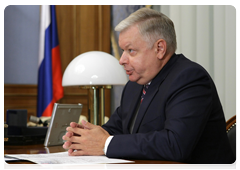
21	34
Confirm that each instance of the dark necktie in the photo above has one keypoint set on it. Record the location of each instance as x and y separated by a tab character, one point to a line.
145	87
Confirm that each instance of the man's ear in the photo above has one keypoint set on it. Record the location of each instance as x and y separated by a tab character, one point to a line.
161	48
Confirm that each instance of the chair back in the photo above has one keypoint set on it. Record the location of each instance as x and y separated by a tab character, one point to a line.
231	132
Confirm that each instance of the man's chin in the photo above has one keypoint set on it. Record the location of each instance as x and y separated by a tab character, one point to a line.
136	79
132	78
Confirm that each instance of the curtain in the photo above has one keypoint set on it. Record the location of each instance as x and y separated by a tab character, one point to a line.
207	35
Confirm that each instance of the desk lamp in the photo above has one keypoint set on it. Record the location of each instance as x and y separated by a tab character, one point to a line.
95	71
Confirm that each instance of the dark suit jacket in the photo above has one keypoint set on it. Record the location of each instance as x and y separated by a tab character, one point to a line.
180	118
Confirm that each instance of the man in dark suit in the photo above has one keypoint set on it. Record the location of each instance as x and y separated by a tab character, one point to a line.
178	118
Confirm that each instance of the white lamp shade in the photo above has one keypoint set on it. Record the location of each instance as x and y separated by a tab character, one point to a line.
94	68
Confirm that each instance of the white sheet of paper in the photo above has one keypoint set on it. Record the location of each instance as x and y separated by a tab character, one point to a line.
63	158
10	159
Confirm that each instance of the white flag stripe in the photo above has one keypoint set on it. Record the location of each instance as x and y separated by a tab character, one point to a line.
44	23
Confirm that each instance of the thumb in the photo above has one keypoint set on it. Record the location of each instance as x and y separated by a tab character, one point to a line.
87	125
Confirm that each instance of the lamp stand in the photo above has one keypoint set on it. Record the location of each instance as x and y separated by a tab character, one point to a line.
93	102
96	102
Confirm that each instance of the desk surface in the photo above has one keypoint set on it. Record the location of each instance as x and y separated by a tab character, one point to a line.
139	164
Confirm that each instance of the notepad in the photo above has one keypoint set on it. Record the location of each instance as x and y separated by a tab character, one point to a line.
63	158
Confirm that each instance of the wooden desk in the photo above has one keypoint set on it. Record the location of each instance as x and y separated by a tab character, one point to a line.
139	164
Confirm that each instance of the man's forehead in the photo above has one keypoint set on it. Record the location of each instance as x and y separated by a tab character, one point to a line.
125	42
127	37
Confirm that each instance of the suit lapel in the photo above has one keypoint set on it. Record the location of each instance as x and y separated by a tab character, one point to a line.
133	106
144	105
152	91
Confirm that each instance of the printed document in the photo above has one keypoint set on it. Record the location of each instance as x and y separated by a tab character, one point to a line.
63	158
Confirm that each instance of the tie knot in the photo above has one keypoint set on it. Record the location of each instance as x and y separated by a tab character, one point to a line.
145	87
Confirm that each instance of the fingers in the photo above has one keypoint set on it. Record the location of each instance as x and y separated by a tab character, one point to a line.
70	151
87	139
87	125
74	131
72	139
76	153
67	136
74	125
72	136
72	146
70	132
67	145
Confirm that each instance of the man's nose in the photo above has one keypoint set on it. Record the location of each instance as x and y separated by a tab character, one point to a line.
123	59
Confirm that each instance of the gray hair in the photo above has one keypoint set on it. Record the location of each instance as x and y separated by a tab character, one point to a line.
152	25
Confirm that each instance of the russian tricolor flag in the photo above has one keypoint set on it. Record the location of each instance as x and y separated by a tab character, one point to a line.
49	74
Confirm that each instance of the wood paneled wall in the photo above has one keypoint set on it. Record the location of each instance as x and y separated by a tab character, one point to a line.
81	28
25	97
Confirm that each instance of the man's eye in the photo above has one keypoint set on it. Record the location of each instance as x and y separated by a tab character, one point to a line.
130	50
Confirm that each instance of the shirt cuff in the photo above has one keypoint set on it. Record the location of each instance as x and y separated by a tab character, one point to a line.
106	144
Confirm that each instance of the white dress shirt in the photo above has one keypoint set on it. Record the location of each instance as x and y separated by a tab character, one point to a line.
106	144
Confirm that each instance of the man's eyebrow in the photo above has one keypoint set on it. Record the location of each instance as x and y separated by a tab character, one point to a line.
127	45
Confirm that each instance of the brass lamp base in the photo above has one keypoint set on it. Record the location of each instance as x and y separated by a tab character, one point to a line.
96	100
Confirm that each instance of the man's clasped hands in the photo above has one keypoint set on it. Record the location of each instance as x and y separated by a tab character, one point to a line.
85	139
